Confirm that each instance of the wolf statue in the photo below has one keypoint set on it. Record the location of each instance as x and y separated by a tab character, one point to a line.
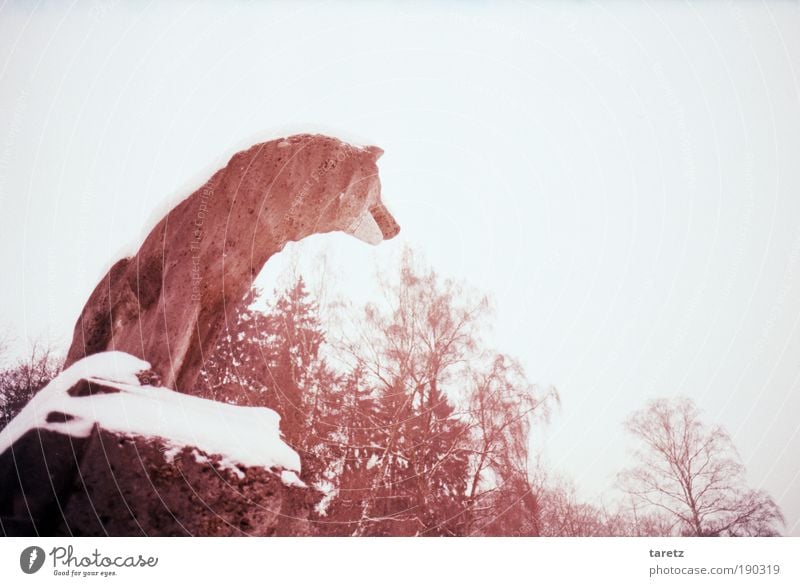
168	303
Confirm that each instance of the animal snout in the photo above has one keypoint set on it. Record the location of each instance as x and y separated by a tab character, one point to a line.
386	223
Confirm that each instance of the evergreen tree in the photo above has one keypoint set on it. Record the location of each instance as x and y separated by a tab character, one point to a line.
234	371
271	358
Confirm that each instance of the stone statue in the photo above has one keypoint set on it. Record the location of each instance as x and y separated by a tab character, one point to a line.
168	303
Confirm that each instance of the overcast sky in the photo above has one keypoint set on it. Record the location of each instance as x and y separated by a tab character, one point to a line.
622	179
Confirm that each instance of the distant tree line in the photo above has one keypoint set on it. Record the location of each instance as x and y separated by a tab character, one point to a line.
408	424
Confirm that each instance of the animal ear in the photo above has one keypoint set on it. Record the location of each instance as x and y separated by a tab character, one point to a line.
374	152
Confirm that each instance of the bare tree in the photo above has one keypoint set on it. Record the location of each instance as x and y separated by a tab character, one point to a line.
444	448
693	473
414	352
20	381
563	515
634	520
502	494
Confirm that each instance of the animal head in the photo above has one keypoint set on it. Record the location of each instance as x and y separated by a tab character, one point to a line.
362	210
329	186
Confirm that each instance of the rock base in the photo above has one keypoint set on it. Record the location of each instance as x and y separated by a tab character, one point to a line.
135	487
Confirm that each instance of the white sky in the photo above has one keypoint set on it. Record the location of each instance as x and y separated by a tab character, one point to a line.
621	178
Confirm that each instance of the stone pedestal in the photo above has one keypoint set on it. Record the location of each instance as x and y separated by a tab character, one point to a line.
135	487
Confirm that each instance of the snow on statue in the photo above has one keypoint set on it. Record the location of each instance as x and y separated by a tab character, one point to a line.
119	403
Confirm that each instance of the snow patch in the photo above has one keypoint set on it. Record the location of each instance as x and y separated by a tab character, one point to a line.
373	461
290	478
330	492
241	436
